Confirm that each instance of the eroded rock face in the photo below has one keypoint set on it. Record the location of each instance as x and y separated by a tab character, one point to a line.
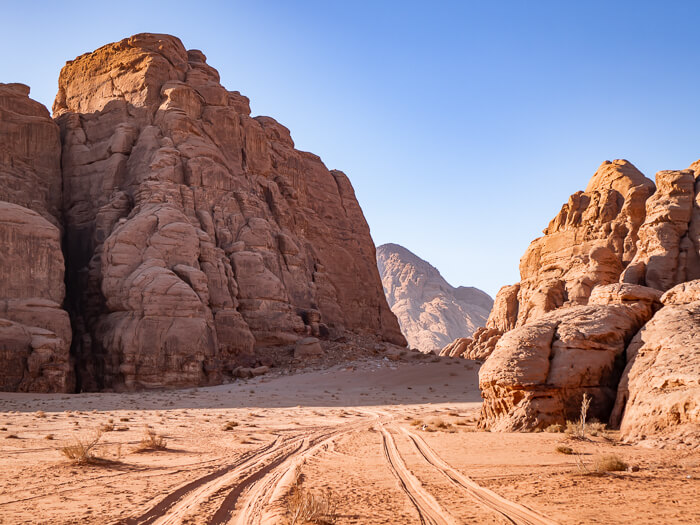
659	395
588	244
195	234
35	332
431	312
669	249
538	373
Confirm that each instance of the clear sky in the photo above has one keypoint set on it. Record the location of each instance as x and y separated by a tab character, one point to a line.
464	126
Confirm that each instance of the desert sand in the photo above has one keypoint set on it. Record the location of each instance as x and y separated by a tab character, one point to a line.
385	441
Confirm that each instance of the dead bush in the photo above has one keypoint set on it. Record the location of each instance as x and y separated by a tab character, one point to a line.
563	449
230	425
556	428
305	506
151	441
609	463
82	451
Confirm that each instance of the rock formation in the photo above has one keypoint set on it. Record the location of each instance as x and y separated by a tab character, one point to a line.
538	372
659	394
567	330
195	236
430	311
35	332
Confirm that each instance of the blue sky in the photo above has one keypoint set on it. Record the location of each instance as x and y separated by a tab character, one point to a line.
464	126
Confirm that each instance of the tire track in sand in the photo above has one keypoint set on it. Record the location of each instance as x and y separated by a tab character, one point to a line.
514	512
429	510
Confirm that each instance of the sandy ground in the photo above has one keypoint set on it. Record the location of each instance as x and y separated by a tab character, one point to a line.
382	441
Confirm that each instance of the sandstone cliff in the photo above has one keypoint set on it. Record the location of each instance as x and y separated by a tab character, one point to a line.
430	311
196	237
35	332
567	329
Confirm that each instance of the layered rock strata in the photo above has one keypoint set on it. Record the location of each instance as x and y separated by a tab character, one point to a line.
430	311
35	332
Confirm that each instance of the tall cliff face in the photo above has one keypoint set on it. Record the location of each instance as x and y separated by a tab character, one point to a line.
195	235
35	332
588	314
430	311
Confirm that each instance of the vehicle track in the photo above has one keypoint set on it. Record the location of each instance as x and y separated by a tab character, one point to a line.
429	510
262	503
513	512
258	471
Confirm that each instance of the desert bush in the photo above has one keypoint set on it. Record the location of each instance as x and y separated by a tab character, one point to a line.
83	450
40	414
554	428
107	427
438	423
151	441
416	422
609	463
12	436
305	506
49	436
230	425
585	405
563	449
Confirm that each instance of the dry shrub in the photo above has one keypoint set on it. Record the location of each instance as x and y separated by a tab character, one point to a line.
48	436
40	414
609	463
416	422
556	428
305	506
12	436
107	427
230	425
82	451
563	449
151	441
439	423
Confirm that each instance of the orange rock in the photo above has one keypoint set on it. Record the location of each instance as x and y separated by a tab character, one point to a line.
195	234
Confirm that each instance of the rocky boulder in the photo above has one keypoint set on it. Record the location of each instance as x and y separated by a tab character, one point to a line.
538	373
431	312
659	395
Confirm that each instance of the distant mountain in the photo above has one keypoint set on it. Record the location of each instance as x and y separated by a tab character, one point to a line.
431	312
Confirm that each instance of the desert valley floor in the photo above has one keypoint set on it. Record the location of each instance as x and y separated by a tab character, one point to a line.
386	441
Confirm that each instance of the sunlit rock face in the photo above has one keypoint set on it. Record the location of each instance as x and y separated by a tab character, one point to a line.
588	315
430	311
35	332
196	235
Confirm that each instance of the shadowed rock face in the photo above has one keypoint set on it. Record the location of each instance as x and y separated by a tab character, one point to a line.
195	235
35	332
430	311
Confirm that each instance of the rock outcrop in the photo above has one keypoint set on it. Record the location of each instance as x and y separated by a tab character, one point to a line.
431	312
35	332
195	237
659	394
567	330
538	372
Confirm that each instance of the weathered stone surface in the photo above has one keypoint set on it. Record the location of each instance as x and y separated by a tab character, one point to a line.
668	249
197	235
478	347
588	244
308	348
431	312
35	333
538	373
659	395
